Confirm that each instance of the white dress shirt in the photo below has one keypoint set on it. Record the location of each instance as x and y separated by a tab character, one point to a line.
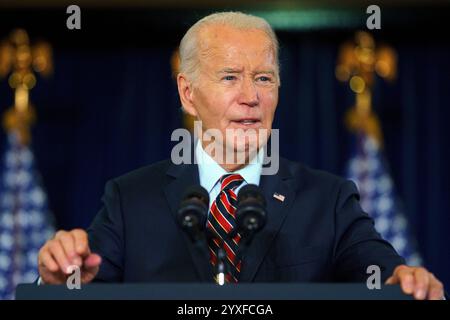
210	172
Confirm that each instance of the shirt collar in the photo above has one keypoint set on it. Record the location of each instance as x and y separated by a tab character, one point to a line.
210	171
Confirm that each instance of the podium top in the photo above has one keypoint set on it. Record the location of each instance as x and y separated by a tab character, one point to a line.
199	291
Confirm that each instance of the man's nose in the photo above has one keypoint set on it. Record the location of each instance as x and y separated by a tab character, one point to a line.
249	93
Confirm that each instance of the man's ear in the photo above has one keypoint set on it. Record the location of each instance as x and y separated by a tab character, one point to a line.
185	90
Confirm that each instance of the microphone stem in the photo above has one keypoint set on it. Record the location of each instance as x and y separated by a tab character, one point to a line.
221	266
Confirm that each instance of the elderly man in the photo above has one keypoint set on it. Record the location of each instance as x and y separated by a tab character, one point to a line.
316	230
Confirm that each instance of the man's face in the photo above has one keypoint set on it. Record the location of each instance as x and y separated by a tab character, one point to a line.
237	84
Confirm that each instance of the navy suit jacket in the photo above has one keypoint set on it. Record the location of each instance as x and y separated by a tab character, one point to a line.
319	233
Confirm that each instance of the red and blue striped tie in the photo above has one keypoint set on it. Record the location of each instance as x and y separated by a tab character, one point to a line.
221	221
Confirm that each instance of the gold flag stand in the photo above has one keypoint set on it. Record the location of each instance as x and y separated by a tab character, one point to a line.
357	64
18	58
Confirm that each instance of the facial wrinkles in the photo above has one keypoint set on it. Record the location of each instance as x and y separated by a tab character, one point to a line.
217	53
216	41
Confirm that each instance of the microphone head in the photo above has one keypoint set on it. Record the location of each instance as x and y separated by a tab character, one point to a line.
193	211
198	192
251	213
250	192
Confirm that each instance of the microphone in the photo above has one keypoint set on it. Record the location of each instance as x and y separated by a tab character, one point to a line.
193	212
251	215
191	216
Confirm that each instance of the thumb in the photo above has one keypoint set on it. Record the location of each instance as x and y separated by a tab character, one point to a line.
92	261
392	280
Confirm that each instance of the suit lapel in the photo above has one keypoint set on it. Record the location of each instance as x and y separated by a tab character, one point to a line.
277	210
186	175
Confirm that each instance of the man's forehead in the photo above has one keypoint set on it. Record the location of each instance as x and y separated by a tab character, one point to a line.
224	44
232	39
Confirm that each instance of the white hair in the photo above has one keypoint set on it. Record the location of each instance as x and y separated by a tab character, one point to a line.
189	57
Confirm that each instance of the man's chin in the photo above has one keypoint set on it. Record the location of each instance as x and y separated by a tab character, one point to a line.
244	148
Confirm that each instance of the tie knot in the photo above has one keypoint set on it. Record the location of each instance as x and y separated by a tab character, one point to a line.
230	181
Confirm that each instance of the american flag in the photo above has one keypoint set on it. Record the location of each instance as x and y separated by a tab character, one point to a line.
368	169
25	222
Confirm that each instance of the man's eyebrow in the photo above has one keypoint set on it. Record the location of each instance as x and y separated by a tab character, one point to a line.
272	72
235	70
230	70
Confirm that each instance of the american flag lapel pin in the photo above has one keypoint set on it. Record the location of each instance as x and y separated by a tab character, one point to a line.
278	196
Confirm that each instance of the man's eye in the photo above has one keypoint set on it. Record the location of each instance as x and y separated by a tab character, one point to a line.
264	79
229	78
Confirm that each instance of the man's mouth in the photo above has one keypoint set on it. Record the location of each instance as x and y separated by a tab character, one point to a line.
248	122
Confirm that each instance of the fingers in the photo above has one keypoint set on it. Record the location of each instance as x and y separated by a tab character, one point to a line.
57	252
422	281
81	242
436	289
405	276
75	244
68	243
46	260
417	281
64	250
92	261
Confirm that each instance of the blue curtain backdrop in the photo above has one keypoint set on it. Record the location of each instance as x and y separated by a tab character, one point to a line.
106	111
